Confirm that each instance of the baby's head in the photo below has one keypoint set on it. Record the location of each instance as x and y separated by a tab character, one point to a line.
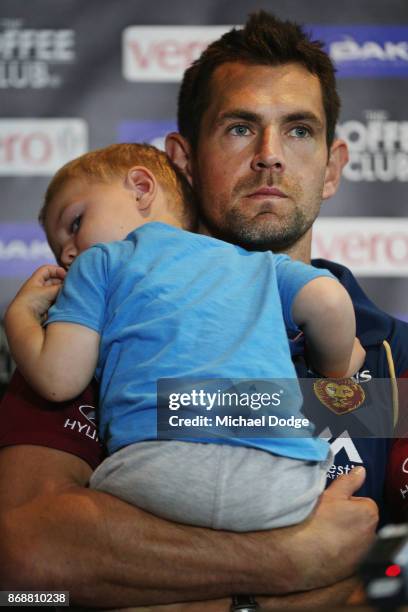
105	194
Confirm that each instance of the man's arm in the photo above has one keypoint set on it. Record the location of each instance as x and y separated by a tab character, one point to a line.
55	534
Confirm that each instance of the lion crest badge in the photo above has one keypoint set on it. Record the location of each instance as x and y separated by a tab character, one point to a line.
340	395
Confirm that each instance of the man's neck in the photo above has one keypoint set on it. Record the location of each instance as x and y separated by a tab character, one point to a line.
301	250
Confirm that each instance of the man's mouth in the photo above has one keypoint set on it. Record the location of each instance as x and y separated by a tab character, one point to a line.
264	192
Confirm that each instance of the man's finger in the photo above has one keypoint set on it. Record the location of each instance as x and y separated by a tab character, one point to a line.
345	486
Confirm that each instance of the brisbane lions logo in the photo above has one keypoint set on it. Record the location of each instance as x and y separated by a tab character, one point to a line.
341	395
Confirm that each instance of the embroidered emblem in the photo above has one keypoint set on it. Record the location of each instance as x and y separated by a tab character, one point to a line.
342	395
88	412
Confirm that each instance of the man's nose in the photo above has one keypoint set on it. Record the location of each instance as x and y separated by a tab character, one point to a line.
269	153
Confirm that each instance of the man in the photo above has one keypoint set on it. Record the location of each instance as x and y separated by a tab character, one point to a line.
256	114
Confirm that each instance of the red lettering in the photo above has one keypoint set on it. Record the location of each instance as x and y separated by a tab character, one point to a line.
324	249
9	143
142	59
170	55
36	148
352	248
193	51
365	249
396	248
374	245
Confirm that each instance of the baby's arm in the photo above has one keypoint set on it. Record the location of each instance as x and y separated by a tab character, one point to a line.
58	361
324	312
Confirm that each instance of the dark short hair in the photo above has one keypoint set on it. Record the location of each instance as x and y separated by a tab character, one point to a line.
264	40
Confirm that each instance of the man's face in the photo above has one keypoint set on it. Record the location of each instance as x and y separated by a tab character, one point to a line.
261	160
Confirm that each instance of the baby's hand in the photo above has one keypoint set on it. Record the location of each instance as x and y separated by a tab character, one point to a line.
40	291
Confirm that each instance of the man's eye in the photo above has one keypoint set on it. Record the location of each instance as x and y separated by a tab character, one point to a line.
239	130
300	131
75	224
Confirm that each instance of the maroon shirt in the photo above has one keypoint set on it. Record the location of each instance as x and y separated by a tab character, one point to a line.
27	418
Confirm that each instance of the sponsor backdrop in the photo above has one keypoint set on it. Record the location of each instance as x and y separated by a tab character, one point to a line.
80	74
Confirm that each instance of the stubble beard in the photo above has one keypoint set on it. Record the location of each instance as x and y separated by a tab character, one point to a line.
266	231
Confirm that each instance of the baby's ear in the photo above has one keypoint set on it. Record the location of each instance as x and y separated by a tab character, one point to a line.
143	184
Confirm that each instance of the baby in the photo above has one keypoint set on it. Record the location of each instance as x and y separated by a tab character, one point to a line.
146	298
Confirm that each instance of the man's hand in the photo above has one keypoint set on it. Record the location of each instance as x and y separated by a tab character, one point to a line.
109	554
38	293
321	599
338	534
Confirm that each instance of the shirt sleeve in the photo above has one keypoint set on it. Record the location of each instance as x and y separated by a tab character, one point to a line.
291	277
83	295
27	418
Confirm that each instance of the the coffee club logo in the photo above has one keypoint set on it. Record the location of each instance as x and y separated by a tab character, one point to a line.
33	57
378	147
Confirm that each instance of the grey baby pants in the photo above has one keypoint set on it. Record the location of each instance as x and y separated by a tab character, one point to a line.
221	486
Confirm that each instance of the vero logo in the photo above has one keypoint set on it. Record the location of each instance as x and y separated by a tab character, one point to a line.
162	53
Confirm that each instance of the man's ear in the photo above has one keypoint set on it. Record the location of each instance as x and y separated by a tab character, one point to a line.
338	158
144	185
179	151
